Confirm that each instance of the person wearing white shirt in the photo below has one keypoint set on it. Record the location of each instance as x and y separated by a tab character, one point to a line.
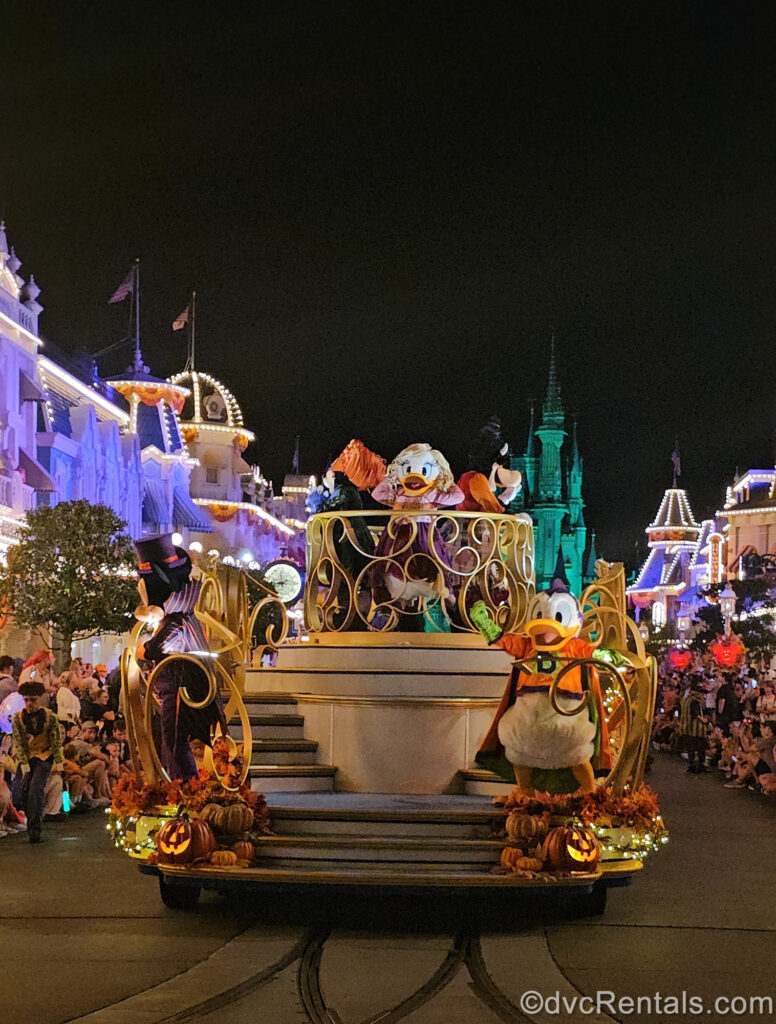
68	705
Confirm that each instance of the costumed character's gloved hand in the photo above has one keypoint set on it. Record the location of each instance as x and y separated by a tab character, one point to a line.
149	613
482	619
609	657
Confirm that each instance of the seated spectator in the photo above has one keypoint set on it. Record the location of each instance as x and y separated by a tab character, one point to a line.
13	702
39	668
91	761
756	755
120	736
765	708
67	702
11	820
8	683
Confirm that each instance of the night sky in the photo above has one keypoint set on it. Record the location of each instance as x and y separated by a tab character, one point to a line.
387	208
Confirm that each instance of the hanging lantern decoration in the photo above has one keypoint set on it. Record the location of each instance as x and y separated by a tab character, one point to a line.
728	651
679	658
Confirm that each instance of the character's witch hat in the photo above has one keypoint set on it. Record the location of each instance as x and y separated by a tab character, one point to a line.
560	582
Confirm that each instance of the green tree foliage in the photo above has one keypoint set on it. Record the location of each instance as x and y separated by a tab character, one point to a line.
659	640
756	631
73	571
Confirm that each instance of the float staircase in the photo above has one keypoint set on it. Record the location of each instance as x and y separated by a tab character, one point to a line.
381	838
282	758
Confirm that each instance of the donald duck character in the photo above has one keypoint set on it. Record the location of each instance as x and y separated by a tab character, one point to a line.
418	479
547	751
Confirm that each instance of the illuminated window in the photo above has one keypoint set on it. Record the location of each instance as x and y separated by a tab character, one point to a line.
659	614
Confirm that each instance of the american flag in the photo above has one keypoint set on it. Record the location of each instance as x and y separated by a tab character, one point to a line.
677	462
124	289
181	320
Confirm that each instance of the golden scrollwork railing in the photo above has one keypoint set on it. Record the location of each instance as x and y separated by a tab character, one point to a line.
230	624
421	571
633	673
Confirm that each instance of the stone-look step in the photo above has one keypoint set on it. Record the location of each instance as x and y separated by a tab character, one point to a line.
294	778
274	727
410	654
481	782
315	850
393	823
269	703
282	759
404	681
282	752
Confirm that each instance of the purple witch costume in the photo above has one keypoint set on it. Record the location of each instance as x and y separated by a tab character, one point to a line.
179	632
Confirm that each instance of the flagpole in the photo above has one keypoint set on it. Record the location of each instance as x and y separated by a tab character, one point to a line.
193	328
138	357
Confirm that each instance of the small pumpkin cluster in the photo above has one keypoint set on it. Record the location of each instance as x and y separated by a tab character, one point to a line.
564	849
217	836
230	823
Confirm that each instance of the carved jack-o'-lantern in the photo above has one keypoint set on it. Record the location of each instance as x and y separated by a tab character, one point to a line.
182	841
571	849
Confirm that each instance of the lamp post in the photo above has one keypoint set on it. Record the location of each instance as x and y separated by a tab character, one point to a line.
644	630
683	621
727	605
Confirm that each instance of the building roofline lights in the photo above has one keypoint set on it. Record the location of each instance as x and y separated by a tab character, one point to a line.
754	476
18	327
55	370
255	509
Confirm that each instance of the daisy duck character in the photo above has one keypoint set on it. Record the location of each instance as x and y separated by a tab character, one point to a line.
547	750
418	479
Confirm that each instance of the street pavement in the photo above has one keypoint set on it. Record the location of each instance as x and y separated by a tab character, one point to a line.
84	937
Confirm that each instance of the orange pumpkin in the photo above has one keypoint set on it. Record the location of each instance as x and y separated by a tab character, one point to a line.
183	840
243	850
231	820
571	849
223	858
527	826
529	864
510	855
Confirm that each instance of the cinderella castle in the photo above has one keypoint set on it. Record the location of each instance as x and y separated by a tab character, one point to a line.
552	492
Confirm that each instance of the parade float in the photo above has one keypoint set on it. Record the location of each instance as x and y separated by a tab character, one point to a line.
357	757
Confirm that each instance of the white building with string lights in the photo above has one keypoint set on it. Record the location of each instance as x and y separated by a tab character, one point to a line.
240	505
165	455
684	557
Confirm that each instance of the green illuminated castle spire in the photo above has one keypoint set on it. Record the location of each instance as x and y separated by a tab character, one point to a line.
552	490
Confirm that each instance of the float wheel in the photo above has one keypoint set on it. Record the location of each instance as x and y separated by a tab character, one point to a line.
179	897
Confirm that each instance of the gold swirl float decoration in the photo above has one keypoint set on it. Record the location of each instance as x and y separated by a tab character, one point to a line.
229	622
462	558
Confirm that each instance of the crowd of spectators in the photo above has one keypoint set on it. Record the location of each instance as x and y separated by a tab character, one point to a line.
94	748
721	721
